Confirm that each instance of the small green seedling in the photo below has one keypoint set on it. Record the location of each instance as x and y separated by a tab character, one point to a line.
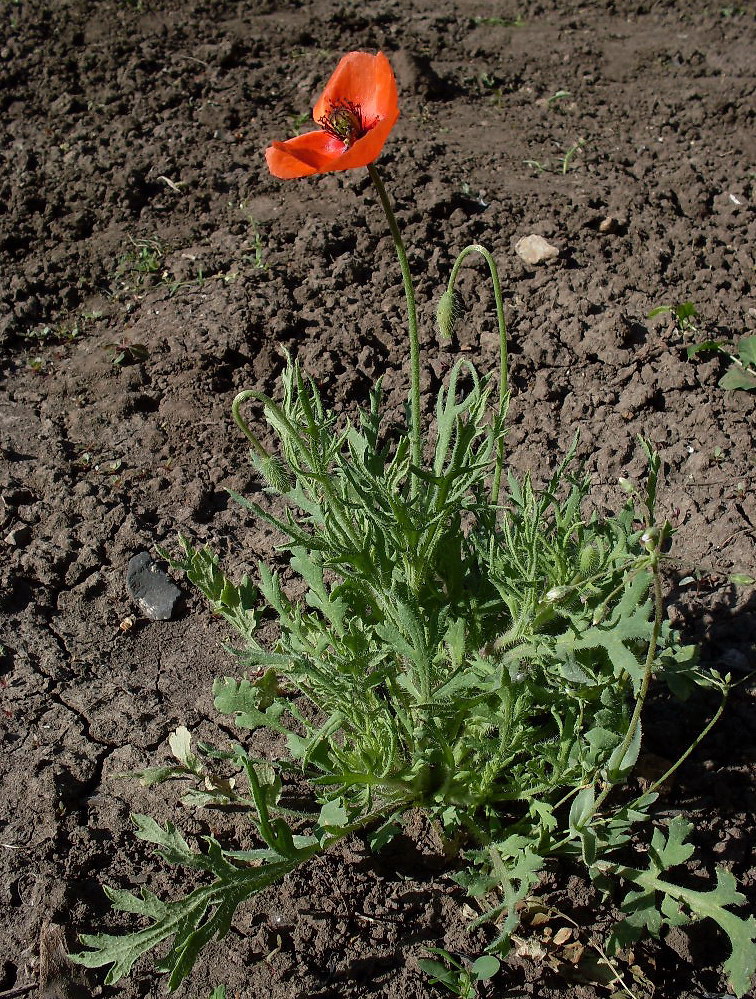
461	979
125	353
135	266
741	373
560	95
685	315
298	121
563	166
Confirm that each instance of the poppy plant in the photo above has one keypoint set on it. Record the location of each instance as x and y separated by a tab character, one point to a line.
356	111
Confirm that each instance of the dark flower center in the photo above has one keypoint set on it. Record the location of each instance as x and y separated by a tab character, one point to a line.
344	122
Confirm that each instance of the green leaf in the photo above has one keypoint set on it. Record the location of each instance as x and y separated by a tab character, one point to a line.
747	350
192	921
158	775
241	698
621	762
582	809
737	378
485	967
741	579
333	815
438	973
696	348
642	911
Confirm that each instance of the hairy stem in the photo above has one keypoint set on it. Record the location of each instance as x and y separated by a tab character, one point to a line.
503	359
414	341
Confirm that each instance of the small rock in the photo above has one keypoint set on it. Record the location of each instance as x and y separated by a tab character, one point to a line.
535	249
149	586
608	225
19	537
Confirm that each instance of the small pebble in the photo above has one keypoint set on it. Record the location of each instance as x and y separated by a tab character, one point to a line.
152	590
535	249
19	537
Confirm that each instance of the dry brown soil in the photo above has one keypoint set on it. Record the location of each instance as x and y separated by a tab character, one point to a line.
132	136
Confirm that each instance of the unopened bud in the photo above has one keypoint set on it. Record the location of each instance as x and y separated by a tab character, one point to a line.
599	614
273	471
448	311
625	485
650	538
558	593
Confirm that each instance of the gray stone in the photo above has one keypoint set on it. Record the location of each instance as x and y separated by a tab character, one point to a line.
152	590
535	249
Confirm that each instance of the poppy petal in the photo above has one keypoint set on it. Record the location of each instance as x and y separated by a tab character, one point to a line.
304	155
364	80
367	149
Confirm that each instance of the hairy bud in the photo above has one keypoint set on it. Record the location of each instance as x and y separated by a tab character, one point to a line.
650	538
273	471
557	594
449	310
626	485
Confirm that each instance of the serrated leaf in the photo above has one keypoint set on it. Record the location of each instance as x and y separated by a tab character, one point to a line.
673	850
158	775
641	904
241	698
192	922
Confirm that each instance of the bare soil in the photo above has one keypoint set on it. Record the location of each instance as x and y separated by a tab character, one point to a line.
140	220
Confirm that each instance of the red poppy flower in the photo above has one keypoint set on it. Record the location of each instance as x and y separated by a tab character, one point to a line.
356	112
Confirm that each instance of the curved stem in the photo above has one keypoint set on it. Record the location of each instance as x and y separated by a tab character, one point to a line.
414	341
503	359
243	425
699	738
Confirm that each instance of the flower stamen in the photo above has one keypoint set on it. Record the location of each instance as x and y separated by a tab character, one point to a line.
344	122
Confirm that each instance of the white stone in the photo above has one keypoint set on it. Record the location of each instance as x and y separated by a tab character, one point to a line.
535	249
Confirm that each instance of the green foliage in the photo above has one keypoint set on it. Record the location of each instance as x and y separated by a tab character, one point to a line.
741	373
480	660
459	978
685	315
655	902
482	653
235	602
206	913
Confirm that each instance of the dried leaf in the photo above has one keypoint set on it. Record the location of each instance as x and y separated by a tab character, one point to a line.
562	936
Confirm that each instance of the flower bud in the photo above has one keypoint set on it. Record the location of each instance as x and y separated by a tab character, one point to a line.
273	471
448	311
650	539
557	594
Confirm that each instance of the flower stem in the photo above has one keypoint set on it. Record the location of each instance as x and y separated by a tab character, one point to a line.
503	359
242	423
414	341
